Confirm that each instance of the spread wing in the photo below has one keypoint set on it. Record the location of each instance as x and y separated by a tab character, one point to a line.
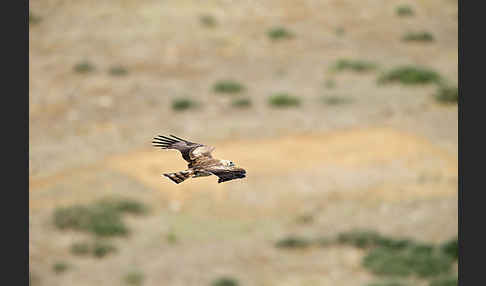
226	173
190	151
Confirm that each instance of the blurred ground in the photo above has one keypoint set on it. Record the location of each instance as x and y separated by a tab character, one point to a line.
386	161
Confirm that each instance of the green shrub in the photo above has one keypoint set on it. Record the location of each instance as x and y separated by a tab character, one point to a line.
106	222
34	19
208	21
397	244
124	205
404	10
368	238
418	37
451	248
382	261
75	217
84	67
283	100
172	238
80	248
278	33
98	248
305	219
339	31
60	267
225	281
336	100
135	278
181	104
102	218
359	238
444	281
398	257
241	103
408	261
330	83
354	65
410	75
293	242
118	71
228	86
447	94
102	248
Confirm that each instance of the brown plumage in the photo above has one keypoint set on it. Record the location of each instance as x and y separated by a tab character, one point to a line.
201	163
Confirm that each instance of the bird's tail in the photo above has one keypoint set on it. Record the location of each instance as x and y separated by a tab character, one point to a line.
178	177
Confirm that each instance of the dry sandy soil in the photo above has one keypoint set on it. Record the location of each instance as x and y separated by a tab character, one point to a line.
386	161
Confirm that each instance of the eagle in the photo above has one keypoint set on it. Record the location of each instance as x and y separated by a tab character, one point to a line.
201	163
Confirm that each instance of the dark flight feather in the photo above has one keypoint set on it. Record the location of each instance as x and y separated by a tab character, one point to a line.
184	146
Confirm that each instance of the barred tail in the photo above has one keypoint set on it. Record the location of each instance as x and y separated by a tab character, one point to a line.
178	177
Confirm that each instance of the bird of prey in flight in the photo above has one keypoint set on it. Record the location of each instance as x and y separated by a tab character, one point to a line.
201	163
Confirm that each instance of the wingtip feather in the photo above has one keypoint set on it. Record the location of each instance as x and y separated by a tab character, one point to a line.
163	138
178	138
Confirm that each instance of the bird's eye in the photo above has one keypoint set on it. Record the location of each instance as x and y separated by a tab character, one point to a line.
231	163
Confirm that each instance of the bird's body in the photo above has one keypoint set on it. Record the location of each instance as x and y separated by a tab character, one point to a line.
201	162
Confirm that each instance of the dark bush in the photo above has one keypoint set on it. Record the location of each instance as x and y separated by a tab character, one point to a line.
283	100
181	104
80	248
228	86
305	219
412	260
339	31
354	65
102	218
134	278
208	21
451	248
418	37
34	19
447	94
84	67
118	71
336	100
359	238
330	83
102	248
172	238
404	10
75	217
124	205
368	238
60	267
241	103
278	33
225	281
293	242
410	75
106	222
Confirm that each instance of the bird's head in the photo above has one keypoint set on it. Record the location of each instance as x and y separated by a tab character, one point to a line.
231	167
228	163
230	172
